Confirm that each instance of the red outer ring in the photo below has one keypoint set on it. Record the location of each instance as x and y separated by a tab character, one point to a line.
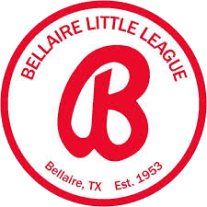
183	161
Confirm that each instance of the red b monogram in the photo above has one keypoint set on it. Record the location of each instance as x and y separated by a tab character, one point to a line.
123	102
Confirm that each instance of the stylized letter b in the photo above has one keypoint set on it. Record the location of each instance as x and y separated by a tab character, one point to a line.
123	102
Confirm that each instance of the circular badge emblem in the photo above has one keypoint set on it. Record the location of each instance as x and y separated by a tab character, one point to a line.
103	103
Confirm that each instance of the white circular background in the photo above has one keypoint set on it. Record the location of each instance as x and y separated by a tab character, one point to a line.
171	107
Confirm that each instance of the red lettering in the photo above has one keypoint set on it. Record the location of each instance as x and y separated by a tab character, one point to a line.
76	28
132	27
114	21
179	74
121	25
153	39
49	166
143	33
104	20
52	41
161	47
32	64
167	57
65	30
28	73
118	185
54	171
39	58
88	24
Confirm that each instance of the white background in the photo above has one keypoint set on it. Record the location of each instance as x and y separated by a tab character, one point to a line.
43	96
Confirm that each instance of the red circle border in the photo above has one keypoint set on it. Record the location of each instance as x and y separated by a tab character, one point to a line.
202	103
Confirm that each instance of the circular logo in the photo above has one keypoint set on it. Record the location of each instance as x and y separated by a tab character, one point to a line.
103	103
